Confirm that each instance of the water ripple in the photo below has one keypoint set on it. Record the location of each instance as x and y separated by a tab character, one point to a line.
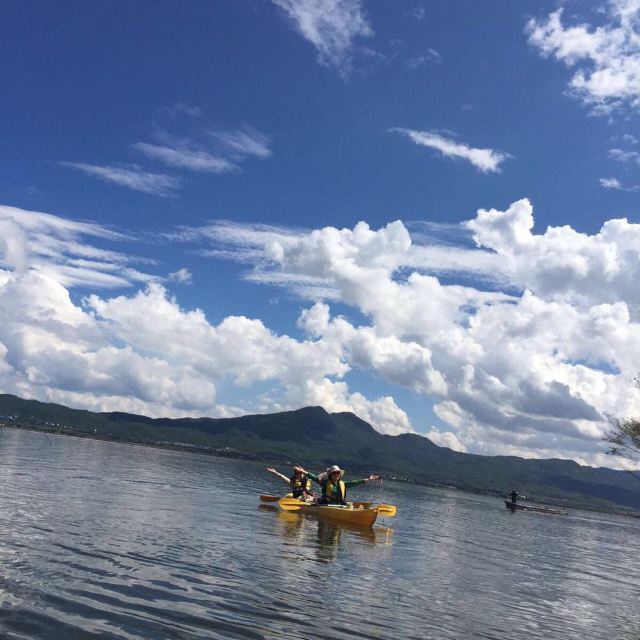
115	542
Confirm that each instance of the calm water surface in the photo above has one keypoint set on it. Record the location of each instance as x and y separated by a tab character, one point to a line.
109	541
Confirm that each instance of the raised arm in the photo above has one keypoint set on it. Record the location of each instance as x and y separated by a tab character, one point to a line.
309	474
353	483
277	473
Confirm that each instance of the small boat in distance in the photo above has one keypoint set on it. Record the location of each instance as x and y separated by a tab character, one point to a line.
514	506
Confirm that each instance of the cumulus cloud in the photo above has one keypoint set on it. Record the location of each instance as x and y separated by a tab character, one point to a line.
142	352
606	58
485	160
563	264
331	26
526	347
446	439
131	176
530	365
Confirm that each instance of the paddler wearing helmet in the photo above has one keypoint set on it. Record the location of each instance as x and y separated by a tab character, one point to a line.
334	488
299	483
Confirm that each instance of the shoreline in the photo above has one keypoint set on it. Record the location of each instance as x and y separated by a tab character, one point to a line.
222	452
229	453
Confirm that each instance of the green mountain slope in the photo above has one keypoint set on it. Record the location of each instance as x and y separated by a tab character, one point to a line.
314	437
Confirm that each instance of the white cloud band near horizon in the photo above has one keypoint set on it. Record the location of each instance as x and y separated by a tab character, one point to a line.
527	357
485	160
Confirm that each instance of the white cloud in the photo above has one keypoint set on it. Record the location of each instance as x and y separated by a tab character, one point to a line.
431	56
143	352
418	12
187	141
486	160
530	369
245	351
183	276
530	365
446	439
610	183
383	413
403	362
622	155
614	183
332	27
563	264
606	57
62	250
130	176
184	140
244	142
185	158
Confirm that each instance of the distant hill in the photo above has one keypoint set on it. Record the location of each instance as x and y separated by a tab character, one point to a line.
314	437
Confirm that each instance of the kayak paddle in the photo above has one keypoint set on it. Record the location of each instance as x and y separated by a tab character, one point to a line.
388	510
291	504
357	504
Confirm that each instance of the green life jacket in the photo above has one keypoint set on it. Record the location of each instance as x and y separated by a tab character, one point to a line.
336	493
299	486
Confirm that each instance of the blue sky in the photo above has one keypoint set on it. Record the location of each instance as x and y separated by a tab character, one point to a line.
200	160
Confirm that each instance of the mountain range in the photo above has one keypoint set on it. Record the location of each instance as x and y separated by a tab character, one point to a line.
316	438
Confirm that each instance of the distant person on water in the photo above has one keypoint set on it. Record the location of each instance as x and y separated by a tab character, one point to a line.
334	488
299	483
515	495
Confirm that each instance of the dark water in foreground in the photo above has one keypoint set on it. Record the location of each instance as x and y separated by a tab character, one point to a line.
110	541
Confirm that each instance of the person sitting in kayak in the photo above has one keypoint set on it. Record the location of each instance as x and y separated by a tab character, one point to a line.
515	495
334	489
299	483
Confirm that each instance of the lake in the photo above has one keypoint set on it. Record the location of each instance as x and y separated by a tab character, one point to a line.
103	540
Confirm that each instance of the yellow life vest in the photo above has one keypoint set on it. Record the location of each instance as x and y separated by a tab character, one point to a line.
328	491
299	485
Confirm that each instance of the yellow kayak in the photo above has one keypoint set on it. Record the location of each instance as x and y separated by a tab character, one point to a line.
363	517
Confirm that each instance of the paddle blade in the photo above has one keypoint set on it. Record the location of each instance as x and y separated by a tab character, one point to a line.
269	498
387	510
290	504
